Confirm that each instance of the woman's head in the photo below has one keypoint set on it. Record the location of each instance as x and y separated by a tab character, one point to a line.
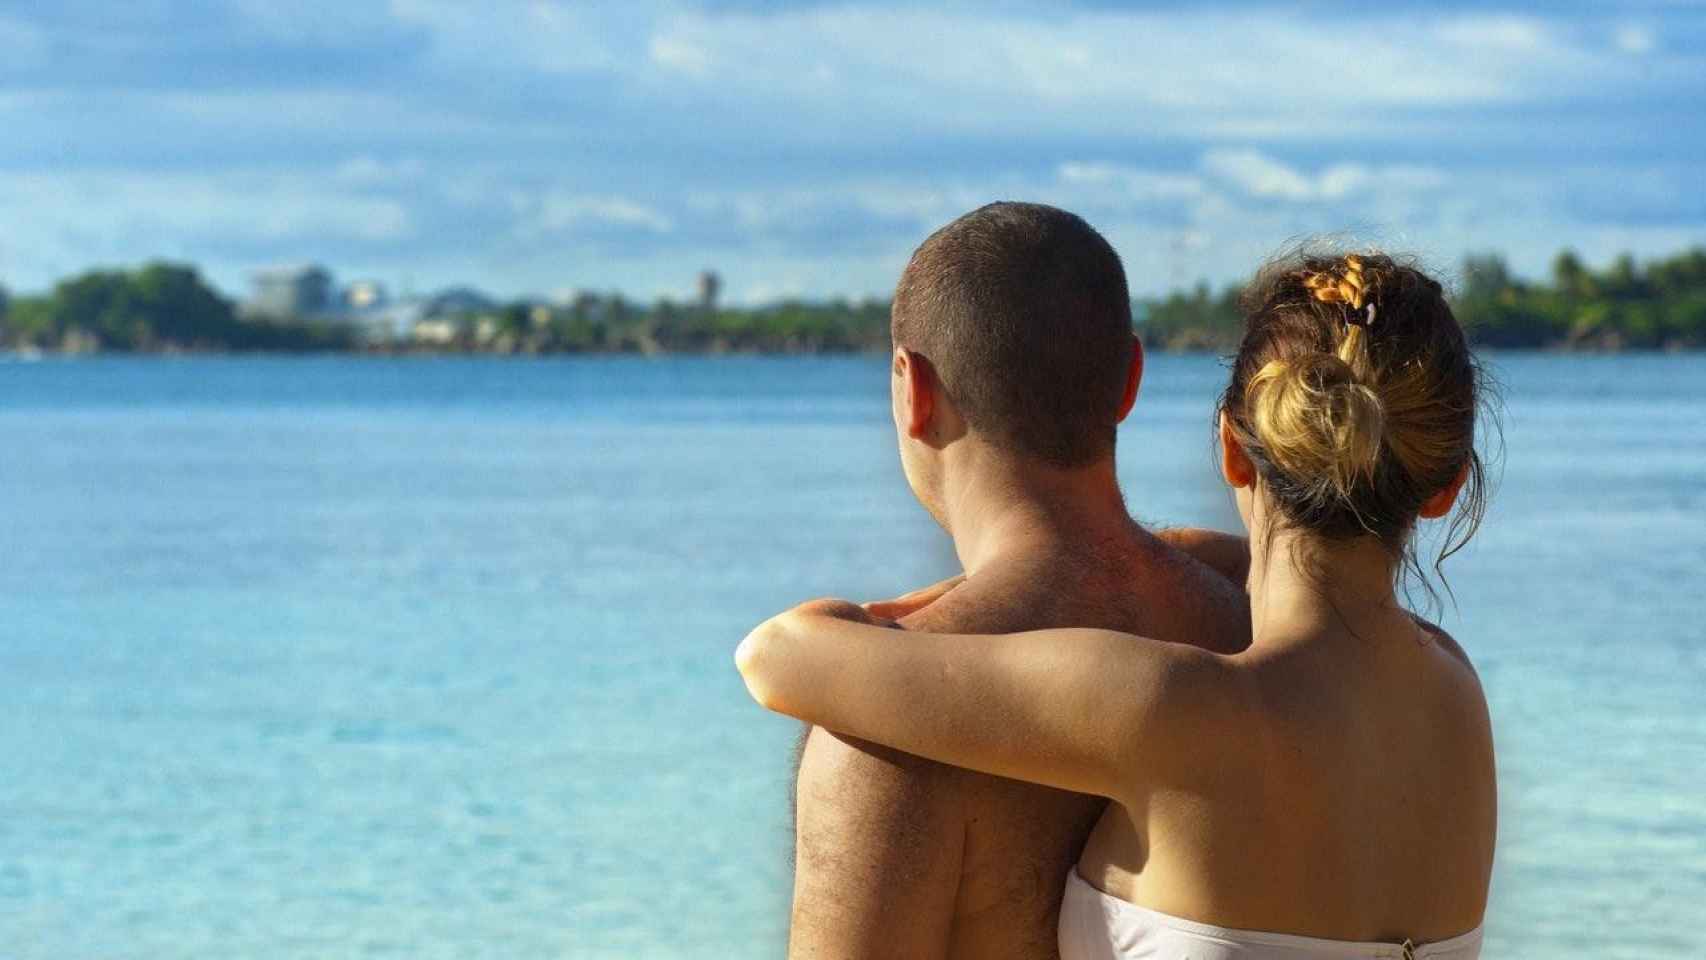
1354	397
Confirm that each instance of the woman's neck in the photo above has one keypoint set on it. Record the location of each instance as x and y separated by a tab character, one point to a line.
1302	585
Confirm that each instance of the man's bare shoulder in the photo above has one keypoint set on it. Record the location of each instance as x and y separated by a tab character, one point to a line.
1001	601
845	771
845	765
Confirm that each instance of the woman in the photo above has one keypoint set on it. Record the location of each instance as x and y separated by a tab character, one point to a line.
1329	791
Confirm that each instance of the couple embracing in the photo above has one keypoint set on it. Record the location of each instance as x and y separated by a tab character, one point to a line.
1106	742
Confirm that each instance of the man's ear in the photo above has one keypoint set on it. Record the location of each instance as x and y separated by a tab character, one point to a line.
918	386
1133	379
1440	503
1235	464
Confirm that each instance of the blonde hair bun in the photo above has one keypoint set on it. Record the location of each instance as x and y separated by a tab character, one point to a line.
1315	419
1355	395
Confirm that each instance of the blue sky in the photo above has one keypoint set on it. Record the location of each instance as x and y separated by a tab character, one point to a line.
535	146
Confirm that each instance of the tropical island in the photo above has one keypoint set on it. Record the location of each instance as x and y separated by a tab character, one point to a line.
169	308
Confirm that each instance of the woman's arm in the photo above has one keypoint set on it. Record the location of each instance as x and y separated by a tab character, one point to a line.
1227	554
1086	710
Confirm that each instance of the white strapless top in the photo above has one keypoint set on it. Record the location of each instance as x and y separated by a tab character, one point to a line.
1096	926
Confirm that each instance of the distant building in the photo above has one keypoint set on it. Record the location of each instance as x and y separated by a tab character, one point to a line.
458	300
709	286
395	320
435	331
296	291
365	307
434	320
365	295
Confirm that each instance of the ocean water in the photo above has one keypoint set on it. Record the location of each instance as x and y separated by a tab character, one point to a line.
431	658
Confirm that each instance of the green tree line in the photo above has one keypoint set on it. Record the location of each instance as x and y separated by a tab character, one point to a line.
160	307
164	307
610	324
1658	305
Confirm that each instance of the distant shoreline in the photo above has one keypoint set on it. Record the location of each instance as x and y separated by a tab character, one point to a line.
31	354
167	308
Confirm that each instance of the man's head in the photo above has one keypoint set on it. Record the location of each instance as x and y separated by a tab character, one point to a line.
1012	327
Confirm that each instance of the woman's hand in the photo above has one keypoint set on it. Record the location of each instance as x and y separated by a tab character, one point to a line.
908	604
869	613
1227	554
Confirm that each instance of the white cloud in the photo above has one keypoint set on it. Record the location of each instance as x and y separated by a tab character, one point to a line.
1634	39
851	213
1500	33
1133	182
1232	207
680	55
253	206
1258	175
349	114
557	211
1126	71
809	147
370	171
277	122
1214	215
968	67
75	219
542	35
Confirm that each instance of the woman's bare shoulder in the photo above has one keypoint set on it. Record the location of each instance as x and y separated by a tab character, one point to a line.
1203	690
1459	692
1446	643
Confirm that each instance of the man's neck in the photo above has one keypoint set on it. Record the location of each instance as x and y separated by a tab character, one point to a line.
999	506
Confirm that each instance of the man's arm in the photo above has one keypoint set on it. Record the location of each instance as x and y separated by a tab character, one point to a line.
905	605
878	835
878	842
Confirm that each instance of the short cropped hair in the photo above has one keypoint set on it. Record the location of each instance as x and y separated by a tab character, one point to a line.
1024	313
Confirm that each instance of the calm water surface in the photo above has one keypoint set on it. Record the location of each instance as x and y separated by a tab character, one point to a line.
425	658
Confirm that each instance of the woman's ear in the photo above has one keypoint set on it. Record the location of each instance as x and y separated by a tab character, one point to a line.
916	393
1133	379
1235	464
1440	503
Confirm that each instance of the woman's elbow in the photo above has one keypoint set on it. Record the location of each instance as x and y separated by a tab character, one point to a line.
756	659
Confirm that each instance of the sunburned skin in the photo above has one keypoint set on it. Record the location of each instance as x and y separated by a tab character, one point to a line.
901	856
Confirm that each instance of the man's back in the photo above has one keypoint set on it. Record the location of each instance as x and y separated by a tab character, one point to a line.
900	856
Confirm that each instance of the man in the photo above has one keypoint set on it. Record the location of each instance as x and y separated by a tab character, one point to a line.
1014	361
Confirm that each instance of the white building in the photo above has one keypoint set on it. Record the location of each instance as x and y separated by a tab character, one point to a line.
292	291
365	295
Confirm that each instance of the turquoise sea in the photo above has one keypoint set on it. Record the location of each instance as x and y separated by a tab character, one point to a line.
307	658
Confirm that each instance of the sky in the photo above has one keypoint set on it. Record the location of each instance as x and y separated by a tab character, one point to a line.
534	147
